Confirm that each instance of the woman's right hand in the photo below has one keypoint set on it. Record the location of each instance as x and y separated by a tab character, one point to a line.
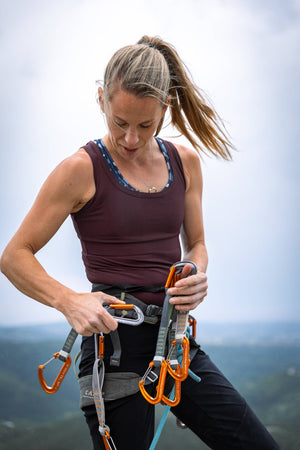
86	314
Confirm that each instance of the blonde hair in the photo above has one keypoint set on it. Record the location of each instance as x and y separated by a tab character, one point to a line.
153	68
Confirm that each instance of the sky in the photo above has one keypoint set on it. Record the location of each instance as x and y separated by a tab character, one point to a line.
244	55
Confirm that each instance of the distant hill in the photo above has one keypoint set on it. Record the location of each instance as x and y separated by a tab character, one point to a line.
256	333
267	375
259	333
35	333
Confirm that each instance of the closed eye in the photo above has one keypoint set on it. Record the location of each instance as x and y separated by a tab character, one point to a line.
119	124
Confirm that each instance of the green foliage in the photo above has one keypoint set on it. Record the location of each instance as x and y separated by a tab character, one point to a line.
67	434
22	397
268	377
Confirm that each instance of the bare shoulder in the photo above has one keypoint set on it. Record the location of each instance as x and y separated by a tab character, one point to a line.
78	164
191	164
73	178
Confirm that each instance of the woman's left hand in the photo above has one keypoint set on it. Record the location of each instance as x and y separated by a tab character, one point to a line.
189	291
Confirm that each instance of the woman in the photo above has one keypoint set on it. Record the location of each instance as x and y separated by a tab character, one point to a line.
131	196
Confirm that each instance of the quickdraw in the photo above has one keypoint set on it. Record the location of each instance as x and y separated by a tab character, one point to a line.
64	354
161	365
98	380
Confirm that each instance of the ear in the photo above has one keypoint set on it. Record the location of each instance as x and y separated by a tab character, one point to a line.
100	97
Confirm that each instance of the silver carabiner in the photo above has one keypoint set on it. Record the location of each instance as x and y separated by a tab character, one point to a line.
134	321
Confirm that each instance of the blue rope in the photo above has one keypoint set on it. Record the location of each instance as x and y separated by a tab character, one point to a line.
179	354
162	422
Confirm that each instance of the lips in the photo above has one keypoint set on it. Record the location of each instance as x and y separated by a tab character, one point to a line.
130	150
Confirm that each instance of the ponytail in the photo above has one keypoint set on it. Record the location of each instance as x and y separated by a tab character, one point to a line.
189	110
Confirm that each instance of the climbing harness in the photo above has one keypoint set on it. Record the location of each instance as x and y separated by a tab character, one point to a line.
171	359
119	311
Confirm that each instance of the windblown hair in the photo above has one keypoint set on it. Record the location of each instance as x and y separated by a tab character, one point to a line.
153	68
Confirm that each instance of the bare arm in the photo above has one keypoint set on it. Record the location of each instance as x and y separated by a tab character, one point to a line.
190	291
66	190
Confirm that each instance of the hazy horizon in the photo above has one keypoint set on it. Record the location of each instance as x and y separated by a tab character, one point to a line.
245	56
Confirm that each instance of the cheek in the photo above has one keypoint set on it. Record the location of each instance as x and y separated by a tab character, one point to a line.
114	130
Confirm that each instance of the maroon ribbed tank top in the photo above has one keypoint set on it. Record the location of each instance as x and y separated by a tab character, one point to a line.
130	236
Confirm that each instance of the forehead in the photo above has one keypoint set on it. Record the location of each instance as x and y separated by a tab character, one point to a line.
126	105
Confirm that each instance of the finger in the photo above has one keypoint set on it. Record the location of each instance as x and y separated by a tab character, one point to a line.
187	269
192	280
107	299
188	299
188	290
108	322
187	307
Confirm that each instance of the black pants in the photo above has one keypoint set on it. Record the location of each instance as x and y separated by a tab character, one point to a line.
212	409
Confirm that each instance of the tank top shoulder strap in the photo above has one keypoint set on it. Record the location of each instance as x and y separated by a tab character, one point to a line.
175	159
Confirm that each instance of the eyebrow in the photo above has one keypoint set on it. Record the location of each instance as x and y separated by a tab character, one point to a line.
142	123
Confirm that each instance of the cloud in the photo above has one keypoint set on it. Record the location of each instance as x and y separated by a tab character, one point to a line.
244	55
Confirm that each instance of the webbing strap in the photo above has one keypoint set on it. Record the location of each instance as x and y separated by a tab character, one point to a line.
163	331
68	345
181	326
115	358
97	385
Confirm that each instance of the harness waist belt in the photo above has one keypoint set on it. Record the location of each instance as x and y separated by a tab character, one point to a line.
151	313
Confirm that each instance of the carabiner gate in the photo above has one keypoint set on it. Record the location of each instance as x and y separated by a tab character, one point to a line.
182	371
160	387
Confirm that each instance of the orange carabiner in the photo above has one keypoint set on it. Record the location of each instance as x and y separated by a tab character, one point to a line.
177	397
181	373
58	380
160	387
172	277
121	306
193	323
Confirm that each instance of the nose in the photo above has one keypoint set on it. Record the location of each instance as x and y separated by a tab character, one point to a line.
131	136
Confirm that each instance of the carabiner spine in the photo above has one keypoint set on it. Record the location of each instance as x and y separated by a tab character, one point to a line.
177	396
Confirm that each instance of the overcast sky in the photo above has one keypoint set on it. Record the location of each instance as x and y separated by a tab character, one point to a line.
243	54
